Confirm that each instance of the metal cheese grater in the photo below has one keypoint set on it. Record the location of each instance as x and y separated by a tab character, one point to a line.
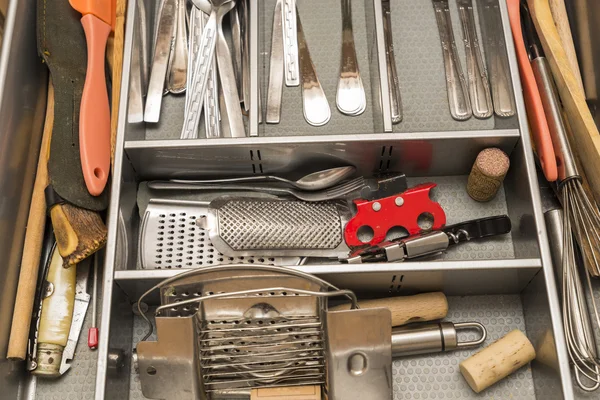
170	238
242	226
225	330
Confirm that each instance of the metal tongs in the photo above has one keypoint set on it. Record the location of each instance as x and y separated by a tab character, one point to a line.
432	242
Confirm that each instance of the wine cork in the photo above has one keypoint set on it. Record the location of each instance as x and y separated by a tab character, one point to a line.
497	361
487	174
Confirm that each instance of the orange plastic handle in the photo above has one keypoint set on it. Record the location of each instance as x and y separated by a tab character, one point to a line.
94	118
533	102
103	9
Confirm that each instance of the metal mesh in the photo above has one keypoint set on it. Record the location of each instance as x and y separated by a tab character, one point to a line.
274	225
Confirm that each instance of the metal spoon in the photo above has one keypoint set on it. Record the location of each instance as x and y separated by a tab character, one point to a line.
315	181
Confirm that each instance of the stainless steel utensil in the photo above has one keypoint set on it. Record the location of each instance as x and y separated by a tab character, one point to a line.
212	39
178	59
291	45
227	75
433	338
223	331
392	72
198	20
236	39
314	181
334	192
580	221
503	96
458	97
479	86
245	32
238	227
276	67
165	33
314	102
350	97
161	248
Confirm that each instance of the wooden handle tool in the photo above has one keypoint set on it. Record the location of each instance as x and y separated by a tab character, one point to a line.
585	133
406	309
115	57
32	247
561	19
287	393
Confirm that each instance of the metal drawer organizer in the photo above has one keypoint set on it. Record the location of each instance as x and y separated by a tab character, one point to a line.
505	284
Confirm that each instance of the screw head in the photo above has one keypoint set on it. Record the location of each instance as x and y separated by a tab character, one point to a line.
376	206
399	201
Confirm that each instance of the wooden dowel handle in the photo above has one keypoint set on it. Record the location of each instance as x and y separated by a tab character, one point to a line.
32	247
406	309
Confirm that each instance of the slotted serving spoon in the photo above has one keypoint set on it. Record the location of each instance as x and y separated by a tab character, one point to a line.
314	181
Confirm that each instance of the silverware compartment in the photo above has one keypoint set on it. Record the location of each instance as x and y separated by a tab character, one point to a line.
420	66
322	25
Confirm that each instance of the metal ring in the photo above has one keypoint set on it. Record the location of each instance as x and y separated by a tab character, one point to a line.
472	325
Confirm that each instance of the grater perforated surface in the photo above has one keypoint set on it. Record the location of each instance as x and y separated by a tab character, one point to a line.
171	239
257	225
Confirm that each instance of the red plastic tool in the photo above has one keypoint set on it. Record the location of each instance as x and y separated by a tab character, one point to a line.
533	102
402	210
94	119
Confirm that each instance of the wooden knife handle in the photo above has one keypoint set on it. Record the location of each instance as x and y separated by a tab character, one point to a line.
585	132
561	19
406	309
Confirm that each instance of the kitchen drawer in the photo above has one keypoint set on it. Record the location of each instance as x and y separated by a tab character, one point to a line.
505	283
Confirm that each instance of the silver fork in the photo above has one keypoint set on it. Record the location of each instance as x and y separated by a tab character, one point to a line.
332	193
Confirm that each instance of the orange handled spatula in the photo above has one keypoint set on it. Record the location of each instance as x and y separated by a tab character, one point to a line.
94	119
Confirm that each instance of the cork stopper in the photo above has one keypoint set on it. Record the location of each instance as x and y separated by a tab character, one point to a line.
487	174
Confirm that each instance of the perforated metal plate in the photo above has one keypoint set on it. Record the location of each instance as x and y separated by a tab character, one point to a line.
170	238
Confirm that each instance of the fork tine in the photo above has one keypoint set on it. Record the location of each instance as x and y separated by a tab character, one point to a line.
343	189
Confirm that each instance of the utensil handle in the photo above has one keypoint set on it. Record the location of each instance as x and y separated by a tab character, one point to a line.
585	132
206	52
162	49
290	43
177	66
230	92
538	124
34	237
407	309
276	67
392	72
479	86
561	19
94	119
314	102
456	85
